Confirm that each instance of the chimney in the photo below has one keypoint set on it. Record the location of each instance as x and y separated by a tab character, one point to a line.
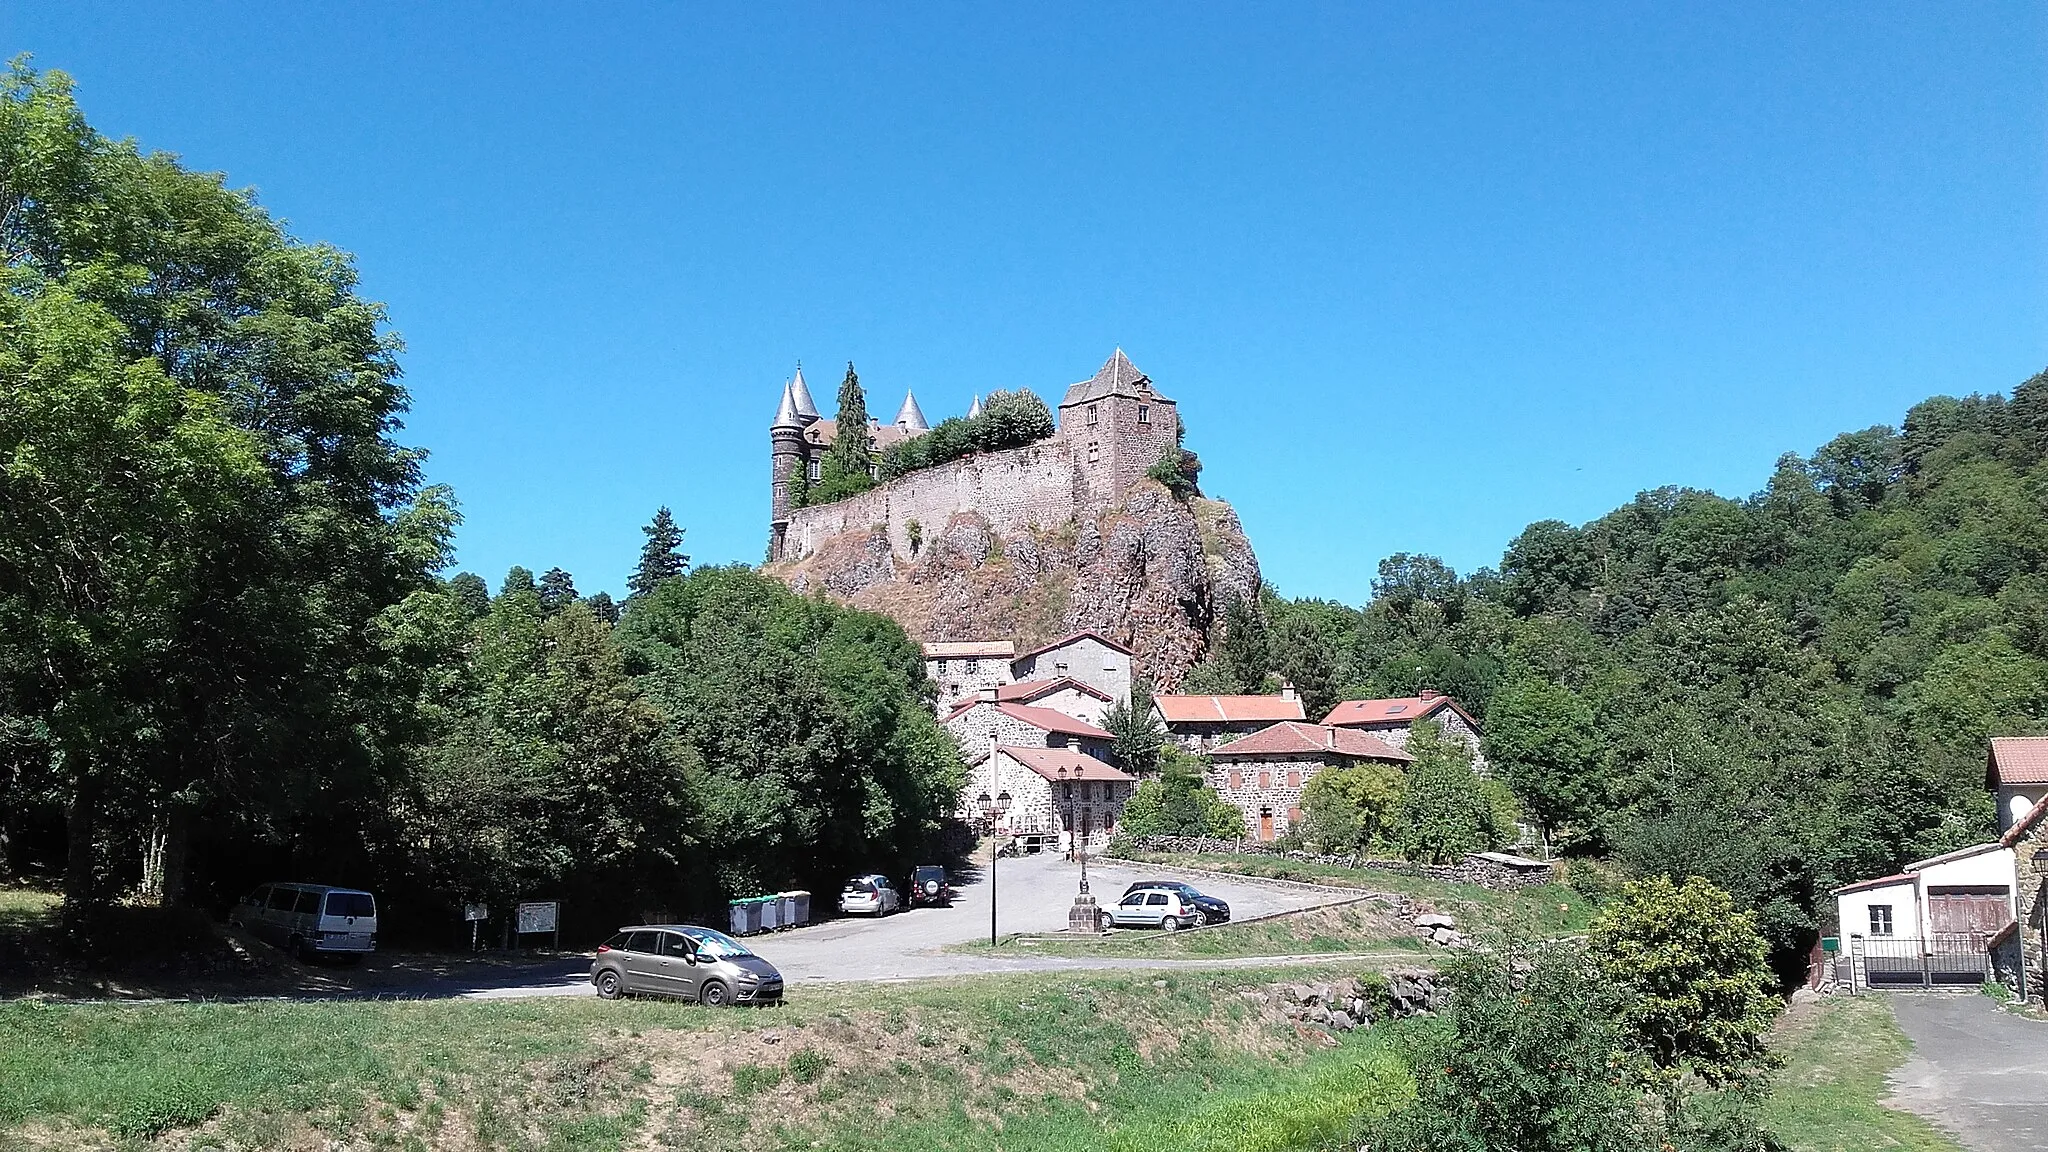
1430	693
1287	690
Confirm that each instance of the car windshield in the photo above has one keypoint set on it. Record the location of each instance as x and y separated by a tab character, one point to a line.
860	887
931	873
717	944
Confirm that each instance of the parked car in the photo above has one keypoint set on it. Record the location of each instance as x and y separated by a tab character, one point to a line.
928	885
869	895
1213	910
310	921
1154	908
684	961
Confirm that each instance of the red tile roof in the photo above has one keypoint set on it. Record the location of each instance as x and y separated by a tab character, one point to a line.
1880	882
1221	709
1081	635
1025	691
954	648
1064	764
1292	738
1395	710
2017	760
1044	719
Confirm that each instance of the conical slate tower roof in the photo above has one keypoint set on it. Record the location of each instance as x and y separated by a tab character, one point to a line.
910	417
786	415
975	409
805	406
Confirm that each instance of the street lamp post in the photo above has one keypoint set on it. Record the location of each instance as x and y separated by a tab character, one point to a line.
993	811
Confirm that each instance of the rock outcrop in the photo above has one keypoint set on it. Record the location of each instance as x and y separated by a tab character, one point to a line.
1154	572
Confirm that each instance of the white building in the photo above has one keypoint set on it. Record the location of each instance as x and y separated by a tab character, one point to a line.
1936	917
2016	771
965	668
1055	792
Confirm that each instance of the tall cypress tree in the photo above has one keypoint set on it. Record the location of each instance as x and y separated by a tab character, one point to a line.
853	449
661	557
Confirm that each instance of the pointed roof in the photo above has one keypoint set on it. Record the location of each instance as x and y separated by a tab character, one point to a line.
805	406
975	408
910	417
1294	738
786	414
1117	377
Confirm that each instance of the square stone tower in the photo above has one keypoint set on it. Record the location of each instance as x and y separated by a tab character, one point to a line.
1118	425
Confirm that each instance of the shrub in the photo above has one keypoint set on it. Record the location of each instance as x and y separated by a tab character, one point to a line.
1007	420
1180	470
1444	811
807	1066
1345	810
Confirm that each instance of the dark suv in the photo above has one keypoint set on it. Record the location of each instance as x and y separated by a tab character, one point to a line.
1213	911
928	885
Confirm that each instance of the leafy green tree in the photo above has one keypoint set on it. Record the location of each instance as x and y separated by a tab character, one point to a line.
1347	811
661	557
1138	737
1703	999
518	580
1531	1058
602	607
1306	660
470	594
1245	654
1444	813
557	591
1542	739
1177	803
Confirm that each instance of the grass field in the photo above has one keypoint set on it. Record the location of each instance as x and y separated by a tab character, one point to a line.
1351	929
1828	1096
1136	1063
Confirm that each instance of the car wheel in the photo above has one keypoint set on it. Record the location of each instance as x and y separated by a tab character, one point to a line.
715	994
608	986
1171	923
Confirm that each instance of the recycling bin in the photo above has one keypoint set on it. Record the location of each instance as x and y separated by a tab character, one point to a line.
771	912
785	909
736	918
800	906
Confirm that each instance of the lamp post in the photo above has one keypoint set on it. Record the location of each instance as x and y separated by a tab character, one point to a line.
993	810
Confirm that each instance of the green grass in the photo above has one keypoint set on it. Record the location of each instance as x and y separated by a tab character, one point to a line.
1546	910
23	908
1035	1062
1827	1097
1353	929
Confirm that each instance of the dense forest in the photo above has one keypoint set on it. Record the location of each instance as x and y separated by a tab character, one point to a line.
1782	693
226	649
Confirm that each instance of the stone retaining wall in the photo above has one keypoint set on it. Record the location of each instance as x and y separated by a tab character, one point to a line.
1470	870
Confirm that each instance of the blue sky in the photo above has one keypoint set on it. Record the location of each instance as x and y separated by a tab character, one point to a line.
1418	274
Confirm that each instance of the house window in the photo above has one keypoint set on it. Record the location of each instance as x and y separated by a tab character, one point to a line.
1293	779
816	470
1093	416
1060	667
1144	414
942	665
1265	778
1094	453
973	666
1880	919
1236	780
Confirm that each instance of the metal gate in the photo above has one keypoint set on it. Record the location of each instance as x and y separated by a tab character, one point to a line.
1945	959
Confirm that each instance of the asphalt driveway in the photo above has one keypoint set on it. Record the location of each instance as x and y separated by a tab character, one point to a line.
1977	1072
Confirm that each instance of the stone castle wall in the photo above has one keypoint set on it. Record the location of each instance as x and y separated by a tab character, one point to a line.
1042	485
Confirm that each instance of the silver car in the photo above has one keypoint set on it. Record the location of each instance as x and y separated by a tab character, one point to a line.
684	961
311	921
869	895
1154	908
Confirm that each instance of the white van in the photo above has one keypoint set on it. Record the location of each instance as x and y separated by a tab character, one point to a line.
311	920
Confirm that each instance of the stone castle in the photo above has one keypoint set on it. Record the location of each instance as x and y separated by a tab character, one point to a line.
1110	429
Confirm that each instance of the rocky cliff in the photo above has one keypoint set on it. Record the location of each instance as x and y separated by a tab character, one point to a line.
1153	572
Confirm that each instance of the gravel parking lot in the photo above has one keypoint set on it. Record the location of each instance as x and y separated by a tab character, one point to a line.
1032	894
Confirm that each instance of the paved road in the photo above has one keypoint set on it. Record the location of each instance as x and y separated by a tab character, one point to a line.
1976	1071
1032	895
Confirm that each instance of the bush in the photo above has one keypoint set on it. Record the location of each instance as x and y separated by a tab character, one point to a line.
1178	804
1007	420
1445	811
1180	470
1345	810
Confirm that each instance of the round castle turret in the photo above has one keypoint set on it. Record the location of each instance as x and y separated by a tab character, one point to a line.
786	455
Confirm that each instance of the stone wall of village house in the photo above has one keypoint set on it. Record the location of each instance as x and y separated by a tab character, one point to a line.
984	726
1273	783
960	677
1204	735
1450	721
1036	804
1085	659
1076	703
2030	873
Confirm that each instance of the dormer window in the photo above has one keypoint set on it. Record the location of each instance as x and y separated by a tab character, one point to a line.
1144	413
973	666
1094	417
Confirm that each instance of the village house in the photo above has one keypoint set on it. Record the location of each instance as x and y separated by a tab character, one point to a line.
1199	723
1067	795
1393	719
2027	840
984	724
2016	771
1931	922
1263	774
1064	674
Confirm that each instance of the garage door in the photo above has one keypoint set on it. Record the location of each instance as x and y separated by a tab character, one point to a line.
1977	910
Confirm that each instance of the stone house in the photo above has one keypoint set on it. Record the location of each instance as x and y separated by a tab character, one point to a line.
1263	774
2027	840
1081	701
2016	771
983	724
963	668
1089	657
1053	791
1199	723
1393	719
